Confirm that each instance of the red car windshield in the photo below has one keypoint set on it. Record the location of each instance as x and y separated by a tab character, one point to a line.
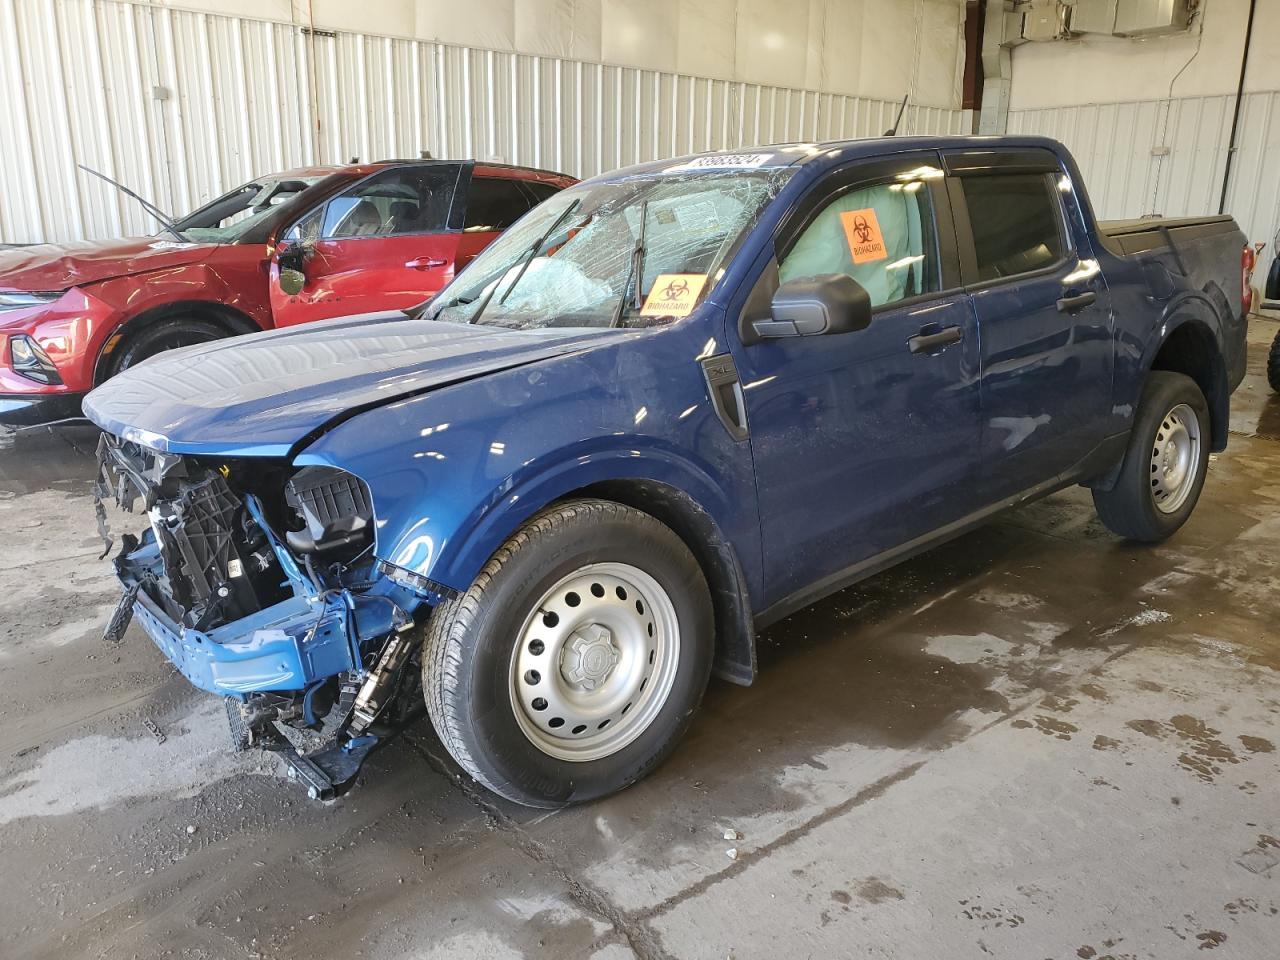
229	217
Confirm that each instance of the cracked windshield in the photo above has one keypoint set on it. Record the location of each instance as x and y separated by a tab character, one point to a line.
630	253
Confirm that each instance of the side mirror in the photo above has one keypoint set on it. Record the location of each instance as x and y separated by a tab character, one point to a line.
809	306
292	281
291	260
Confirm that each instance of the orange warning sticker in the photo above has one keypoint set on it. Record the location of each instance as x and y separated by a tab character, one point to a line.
673	294
862	230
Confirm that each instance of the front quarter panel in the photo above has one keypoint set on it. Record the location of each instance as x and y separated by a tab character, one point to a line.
454	472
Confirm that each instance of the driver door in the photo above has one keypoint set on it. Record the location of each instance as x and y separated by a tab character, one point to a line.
864	443
387	243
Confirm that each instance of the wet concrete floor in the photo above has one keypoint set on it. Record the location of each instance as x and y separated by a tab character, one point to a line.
1035	742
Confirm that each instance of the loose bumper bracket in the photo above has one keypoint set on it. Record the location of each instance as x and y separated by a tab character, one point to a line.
328	774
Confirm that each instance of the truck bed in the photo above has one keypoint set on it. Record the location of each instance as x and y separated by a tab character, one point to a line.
1151	233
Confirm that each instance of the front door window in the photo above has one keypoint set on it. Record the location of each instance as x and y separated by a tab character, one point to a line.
881	235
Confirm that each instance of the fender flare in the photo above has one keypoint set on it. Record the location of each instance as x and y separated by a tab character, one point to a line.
661	483
461	558
1195	314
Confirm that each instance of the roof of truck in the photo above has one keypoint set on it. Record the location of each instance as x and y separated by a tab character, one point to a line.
823	153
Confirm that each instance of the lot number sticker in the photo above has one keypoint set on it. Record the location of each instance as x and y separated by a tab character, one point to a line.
862	231
673	294
725	161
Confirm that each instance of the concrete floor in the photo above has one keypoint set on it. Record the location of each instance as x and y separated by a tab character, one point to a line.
1036	742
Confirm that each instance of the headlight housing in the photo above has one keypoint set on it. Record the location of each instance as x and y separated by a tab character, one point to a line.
29	359
15	299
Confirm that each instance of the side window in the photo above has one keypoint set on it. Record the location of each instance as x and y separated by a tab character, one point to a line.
402	201
1015	221
539	190
494	204
881	235
306	230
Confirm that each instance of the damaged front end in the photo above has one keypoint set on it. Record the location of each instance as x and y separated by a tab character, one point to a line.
258	581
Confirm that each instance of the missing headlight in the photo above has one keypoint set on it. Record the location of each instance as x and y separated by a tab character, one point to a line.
335	508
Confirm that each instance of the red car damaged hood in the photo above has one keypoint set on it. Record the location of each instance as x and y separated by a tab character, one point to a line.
57	266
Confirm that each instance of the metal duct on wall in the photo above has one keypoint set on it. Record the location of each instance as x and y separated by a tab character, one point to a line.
1152	18
1001	32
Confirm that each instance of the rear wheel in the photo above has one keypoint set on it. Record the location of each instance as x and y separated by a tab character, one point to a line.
574	663
1165	465
160	336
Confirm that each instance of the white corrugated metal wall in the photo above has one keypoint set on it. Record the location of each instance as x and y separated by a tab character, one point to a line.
1167	157
182	105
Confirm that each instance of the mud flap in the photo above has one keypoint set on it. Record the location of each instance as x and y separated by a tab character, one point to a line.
122	616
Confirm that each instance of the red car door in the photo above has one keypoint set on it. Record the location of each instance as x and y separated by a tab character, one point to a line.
388	242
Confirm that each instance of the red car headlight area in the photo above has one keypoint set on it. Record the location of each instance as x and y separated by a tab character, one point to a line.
28	359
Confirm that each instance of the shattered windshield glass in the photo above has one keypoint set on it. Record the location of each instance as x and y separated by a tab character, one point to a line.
633	252
230	216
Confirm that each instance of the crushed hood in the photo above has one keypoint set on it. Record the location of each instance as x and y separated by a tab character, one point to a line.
260	395
57	266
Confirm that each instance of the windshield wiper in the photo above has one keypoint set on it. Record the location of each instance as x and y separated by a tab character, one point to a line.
634	271
528	259
165	220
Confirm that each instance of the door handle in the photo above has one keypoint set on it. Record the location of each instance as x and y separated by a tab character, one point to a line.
1077	302
929	342
425	263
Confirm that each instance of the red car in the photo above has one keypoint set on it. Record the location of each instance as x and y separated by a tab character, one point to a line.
303	245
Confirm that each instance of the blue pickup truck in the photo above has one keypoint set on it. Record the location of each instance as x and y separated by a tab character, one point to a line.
672	405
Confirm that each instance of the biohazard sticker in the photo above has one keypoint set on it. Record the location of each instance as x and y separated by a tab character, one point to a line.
673	294
862	230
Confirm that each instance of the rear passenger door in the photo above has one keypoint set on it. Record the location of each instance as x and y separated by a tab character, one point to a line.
1043	315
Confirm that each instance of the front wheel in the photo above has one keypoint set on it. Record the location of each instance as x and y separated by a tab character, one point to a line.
576	660
1165	465
161	336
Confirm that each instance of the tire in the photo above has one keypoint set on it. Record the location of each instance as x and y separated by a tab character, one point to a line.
160	336
1164	467
582	585
1273	364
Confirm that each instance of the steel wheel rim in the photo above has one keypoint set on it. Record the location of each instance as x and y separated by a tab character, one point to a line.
1175	458
598	653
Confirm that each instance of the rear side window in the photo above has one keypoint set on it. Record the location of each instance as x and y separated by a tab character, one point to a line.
539	190
494	204
1015	221
881	235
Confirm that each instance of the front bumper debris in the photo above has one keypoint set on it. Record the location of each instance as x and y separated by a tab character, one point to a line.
288	646
323	644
